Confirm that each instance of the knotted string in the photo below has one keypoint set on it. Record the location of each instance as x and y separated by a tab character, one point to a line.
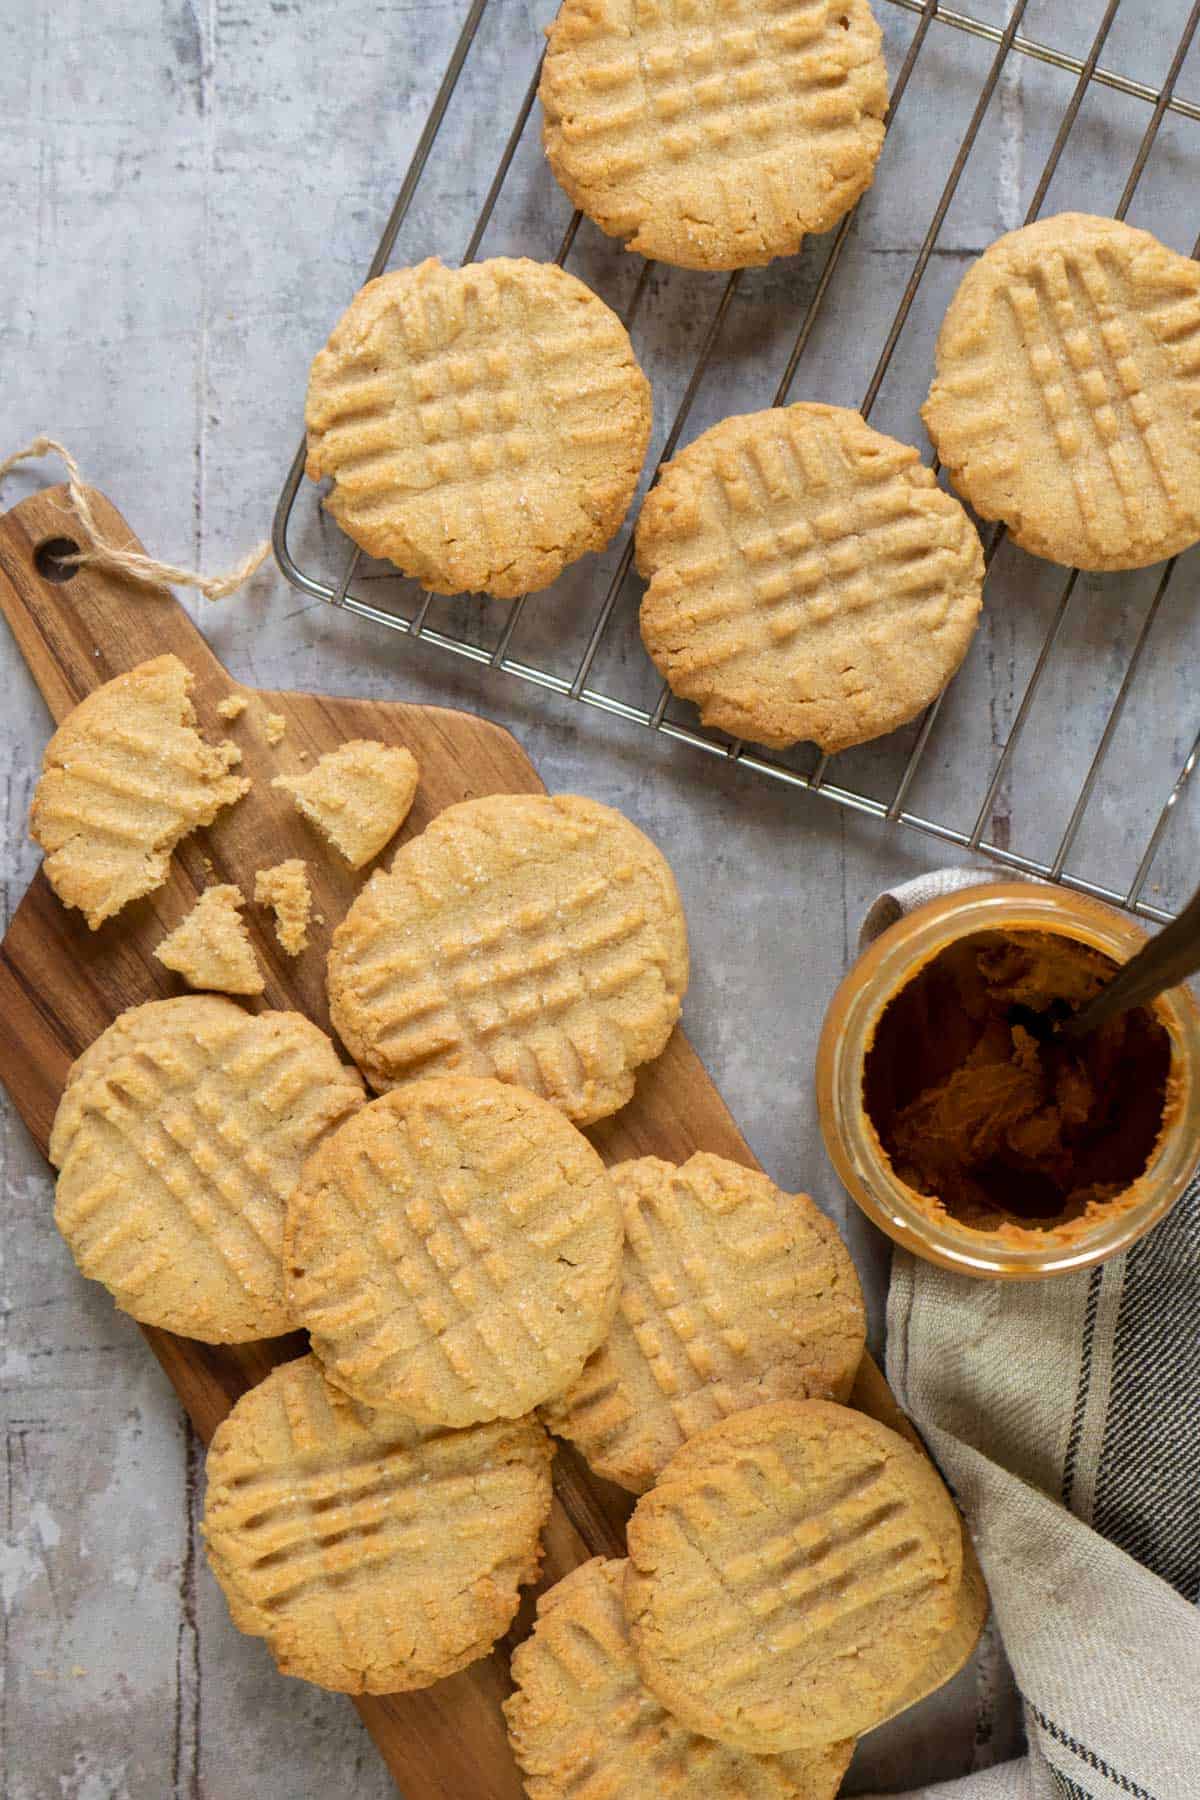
103	554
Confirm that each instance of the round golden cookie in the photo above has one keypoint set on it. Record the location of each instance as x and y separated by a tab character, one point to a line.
733	1293
483	426
182	1131
792	1568
537	940
714	135
454	1251
581	1723
123	779
373	1554
1067	395
808	578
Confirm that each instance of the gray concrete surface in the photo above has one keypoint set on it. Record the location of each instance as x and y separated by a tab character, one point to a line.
189	194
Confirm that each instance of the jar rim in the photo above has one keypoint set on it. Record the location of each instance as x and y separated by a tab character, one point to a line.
888	965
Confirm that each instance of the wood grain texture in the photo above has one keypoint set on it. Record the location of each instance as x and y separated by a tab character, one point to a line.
61	984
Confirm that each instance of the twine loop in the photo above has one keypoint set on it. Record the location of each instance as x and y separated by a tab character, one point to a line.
104	554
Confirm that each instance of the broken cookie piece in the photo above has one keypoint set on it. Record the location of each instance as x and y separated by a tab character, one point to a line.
274	726
211	949
124	778
358	796
232	706
284	888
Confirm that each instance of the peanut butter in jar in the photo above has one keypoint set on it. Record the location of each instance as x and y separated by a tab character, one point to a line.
974	1137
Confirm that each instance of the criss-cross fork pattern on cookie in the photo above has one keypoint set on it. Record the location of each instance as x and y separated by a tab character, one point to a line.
718	131
124	778
455	1253
177	1149
718	81
583	1727
1068	390
788	1565
807	577
732	1293
370	1552
480	424
540	941
817	1559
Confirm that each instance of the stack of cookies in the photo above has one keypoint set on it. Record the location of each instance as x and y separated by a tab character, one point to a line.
472	1278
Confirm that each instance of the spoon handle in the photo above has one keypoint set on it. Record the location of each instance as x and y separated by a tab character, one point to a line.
1163	962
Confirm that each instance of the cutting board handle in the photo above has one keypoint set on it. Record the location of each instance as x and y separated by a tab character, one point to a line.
77	629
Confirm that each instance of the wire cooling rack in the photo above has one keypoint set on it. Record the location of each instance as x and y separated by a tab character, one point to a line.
1082	755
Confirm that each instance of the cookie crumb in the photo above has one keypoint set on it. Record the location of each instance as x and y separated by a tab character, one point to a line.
274	726
232	706
357	796
211	949
284	888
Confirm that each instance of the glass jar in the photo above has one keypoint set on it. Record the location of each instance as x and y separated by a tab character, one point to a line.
854	1146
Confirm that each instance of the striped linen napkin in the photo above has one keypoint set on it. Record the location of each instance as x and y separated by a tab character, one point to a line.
1065	1414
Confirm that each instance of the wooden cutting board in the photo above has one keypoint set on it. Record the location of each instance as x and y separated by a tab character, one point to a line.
61	985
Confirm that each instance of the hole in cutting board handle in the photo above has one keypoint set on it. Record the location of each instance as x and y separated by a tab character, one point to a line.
49	559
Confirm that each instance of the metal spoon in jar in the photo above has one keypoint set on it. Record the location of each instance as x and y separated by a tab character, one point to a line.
1161	963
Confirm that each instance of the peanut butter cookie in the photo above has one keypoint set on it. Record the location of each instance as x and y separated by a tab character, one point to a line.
808	578
284	888
211	947
454	1251
792	1568
732	1293
714	135
1067	396
124	778
374	1555
483	426
178	1139
358	796
534	939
